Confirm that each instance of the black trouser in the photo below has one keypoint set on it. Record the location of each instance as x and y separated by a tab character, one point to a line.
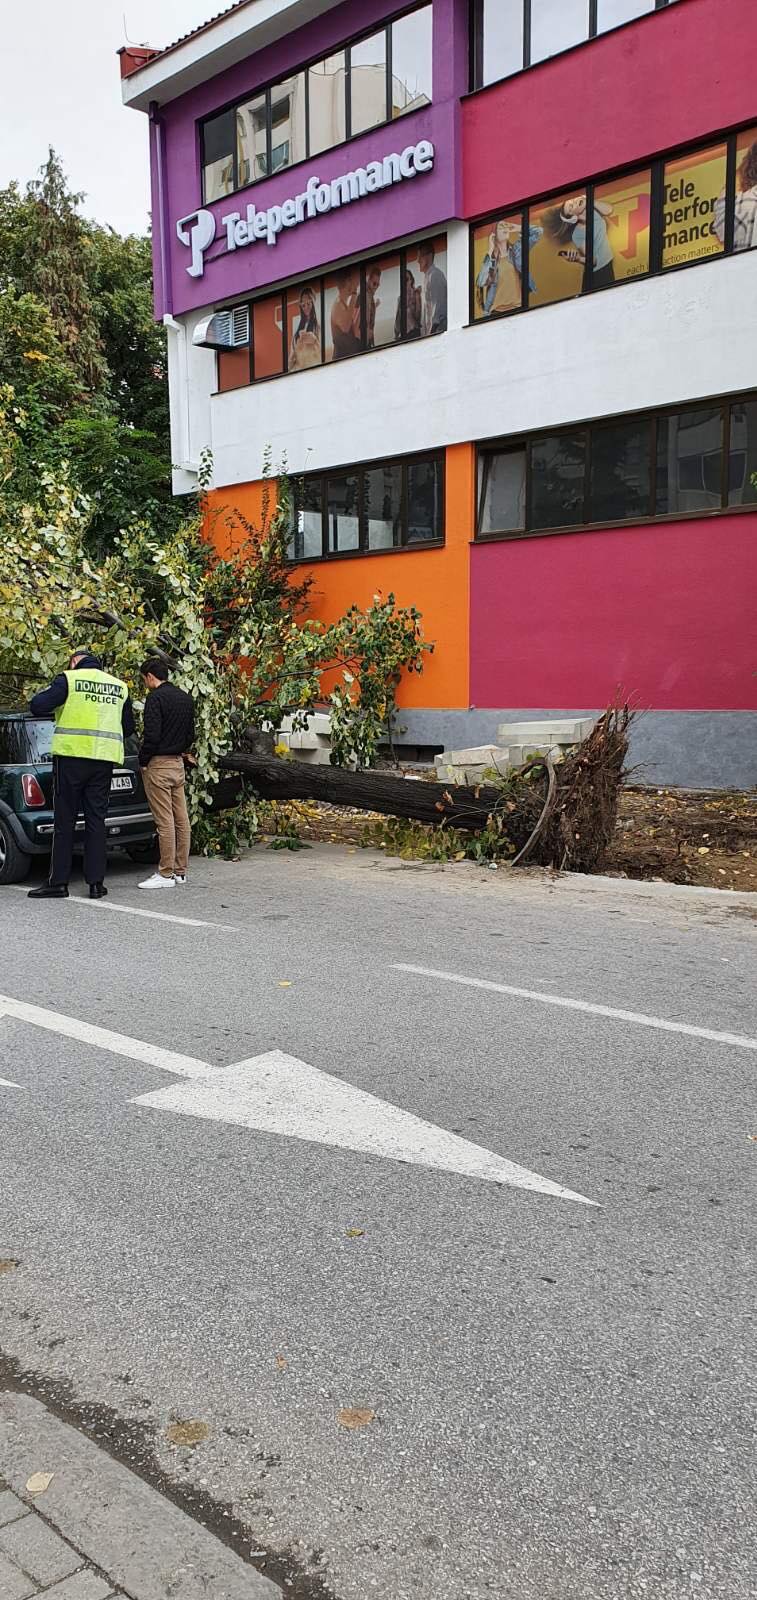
80	786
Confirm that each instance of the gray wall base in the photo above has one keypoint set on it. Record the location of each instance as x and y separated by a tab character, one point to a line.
689	749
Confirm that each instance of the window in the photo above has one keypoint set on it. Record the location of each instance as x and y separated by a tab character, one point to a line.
267	337
252	141
382	499
556	25
288	123
687	462
327	102
502	491
620	477
558	471
673	213
218	157
742	466
557	258
509	35
364	306
304	327
365	85
690	462
384	505
693	185
411	62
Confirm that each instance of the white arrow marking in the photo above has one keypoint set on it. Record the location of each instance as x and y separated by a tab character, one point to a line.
275	1093
118	1044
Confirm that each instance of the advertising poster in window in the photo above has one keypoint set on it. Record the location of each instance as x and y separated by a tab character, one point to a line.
498	266
745	212
268	337
304	347
558	253
694	184
426	287
343	314
382	305
622	212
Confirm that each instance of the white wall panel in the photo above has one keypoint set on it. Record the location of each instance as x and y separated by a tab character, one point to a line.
672	339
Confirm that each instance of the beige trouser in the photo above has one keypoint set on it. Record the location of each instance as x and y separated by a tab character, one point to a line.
164	786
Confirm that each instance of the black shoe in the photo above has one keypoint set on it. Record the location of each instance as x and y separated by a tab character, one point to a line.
49	891
97	891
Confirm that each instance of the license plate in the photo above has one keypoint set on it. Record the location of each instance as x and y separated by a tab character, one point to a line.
119	783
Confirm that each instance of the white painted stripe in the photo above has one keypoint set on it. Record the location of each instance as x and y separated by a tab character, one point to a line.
5	1083
139	911
742	1041
118	1044
276	1093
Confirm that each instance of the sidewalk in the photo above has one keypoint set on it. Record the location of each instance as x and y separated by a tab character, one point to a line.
97	1531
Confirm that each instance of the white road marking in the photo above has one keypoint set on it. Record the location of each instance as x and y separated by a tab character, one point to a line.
275	1093
742	1041
118	1044
139	911
5	1083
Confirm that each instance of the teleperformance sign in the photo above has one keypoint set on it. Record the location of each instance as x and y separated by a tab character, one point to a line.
198	230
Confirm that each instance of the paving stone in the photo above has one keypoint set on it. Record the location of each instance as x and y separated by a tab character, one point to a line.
11	1508
14	1584
39	1551
82	1586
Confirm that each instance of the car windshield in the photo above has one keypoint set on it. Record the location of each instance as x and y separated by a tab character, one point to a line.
26	739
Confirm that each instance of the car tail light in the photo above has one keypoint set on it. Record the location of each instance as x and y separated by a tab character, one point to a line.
32	792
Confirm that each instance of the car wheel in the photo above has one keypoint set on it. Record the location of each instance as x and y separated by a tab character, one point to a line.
14	864
145	855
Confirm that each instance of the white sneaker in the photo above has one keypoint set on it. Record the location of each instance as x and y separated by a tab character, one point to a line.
180	877
157	882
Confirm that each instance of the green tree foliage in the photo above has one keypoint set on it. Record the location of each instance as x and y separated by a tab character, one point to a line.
85	358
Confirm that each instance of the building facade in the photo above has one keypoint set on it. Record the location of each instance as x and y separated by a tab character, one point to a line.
482	274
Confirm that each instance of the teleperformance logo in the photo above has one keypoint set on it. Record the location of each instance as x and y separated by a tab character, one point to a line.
198	230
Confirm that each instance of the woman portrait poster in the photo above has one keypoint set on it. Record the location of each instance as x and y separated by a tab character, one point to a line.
304	327
499	272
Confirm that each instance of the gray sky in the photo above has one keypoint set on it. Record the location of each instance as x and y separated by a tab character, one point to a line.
59	85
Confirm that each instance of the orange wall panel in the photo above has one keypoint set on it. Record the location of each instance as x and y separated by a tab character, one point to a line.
436	581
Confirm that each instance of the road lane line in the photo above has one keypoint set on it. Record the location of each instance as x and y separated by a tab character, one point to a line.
741	1041
5	1083
119	1044
138	911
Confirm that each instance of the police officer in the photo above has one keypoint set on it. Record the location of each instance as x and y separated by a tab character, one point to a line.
93	716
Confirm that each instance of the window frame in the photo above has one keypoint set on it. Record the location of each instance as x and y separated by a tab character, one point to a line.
515	443
522	209
478	41
265	89
358	469
318	282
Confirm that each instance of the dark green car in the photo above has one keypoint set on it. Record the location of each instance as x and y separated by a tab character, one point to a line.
26	799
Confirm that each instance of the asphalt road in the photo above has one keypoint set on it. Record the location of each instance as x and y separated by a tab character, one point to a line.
560	1397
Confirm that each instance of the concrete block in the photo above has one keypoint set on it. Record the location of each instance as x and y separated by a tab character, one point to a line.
34	1546
82	1586
14	1584
469	766
545	735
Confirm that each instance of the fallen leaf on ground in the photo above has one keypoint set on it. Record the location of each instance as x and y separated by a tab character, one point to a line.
39	1482
355	1417
187	1434
8	1265
355	1233
282	1363
752	1137
286	985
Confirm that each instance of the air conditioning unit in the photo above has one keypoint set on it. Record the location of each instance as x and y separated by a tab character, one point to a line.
224	330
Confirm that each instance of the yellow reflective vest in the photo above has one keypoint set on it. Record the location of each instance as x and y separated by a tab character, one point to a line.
89	723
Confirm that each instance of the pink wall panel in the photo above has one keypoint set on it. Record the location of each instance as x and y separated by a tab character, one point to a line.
666	612
671	77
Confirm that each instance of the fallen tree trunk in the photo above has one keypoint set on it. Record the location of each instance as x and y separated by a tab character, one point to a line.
273	779
560	816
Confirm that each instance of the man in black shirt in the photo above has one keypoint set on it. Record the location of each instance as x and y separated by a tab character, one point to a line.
168	735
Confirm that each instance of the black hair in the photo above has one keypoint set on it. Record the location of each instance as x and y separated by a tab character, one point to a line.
154	667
